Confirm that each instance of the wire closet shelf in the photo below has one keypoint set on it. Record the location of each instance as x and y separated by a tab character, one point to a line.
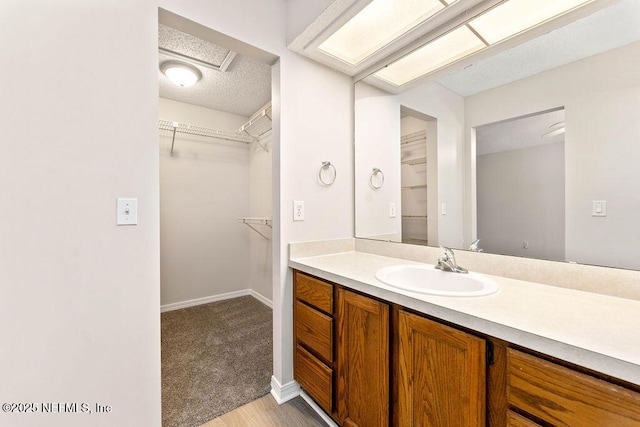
413	137
181	128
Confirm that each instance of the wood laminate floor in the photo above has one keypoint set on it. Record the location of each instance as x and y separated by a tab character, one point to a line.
265	412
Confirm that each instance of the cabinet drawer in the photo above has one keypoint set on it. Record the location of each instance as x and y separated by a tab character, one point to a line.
517	420
315	377
315	330
562	396
314	292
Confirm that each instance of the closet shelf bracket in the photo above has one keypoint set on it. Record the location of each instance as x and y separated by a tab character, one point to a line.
255	222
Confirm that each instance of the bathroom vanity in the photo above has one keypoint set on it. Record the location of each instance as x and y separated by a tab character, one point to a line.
530	354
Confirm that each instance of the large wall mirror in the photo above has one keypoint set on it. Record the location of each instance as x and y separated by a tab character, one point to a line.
534	149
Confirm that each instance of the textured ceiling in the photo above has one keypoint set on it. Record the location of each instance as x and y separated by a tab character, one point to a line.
604	30
242	89
186	44
518	133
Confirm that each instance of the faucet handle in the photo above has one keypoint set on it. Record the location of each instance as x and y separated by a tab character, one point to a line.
448	262
448	253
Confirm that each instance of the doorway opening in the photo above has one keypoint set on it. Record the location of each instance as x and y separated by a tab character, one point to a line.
419	177
520	186
215	146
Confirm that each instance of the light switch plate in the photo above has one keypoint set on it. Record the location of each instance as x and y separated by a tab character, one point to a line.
392	209
127	211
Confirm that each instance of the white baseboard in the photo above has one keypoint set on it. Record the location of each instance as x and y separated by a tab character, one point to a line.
262	299
284	393
205	300
214	298
325	417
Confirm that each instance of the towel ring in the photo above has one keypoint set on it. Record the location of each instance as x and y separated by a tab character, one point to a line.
375	172
327	165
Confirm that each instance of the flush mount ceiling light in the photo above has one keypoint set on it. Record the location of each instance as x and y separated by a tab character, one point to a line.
371	29
497	24
180	73
556	129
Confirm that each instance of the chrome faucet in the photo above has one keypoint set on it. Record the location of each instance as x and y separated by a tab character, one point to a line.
448	262
474	246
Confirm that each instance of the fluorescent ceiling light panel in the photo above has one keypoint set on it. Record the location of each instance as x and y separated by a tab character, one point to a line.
452	46
514	16
375	26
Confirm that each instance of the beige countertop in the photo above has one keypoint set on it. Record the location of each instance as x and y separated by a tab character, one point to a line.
596	331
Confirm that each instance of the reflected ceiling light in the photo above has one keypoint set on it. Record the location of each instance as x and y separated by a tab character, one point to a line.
180	73
375	26
515	16
438	53
556	129
495	25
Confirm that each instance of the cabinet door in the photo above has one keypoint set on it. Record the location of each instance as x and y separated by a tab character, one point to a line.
440	373
561	396
362	361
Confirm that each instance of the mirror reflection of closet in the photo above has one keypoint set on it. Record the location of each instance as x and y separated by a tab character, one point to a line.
417	176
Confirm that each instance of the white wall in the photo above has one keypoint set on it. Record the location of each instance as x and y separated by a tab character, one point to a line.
521	198
204	189
377	145
260	205
312	108
79	296
601	96
317	125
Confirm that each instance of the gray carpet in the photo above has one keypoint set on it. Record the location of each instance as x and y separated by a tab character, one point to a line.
215	357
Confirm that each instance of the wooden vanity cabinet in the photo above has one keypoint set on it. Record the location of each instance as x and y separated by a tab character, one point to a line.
313	362
551	394
440	373
347	374
368	363
362	368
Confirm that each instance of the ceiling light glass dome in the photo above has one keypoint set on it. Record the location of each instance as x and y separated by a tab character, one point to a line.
180	73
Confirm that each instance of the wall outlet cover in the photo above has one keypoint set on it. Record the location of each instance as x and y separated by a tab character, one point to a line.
298	210
599	208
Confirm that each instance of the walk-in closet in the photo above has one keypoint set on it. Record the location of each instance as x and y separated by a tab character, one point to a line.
215	124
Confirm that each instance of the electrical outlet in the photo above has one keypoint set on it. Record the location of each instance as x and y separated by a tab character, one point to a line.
298	210
599	208
392	209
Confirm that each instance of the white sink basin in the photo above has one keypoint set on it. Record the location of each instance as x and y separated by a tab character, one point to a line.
426	279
